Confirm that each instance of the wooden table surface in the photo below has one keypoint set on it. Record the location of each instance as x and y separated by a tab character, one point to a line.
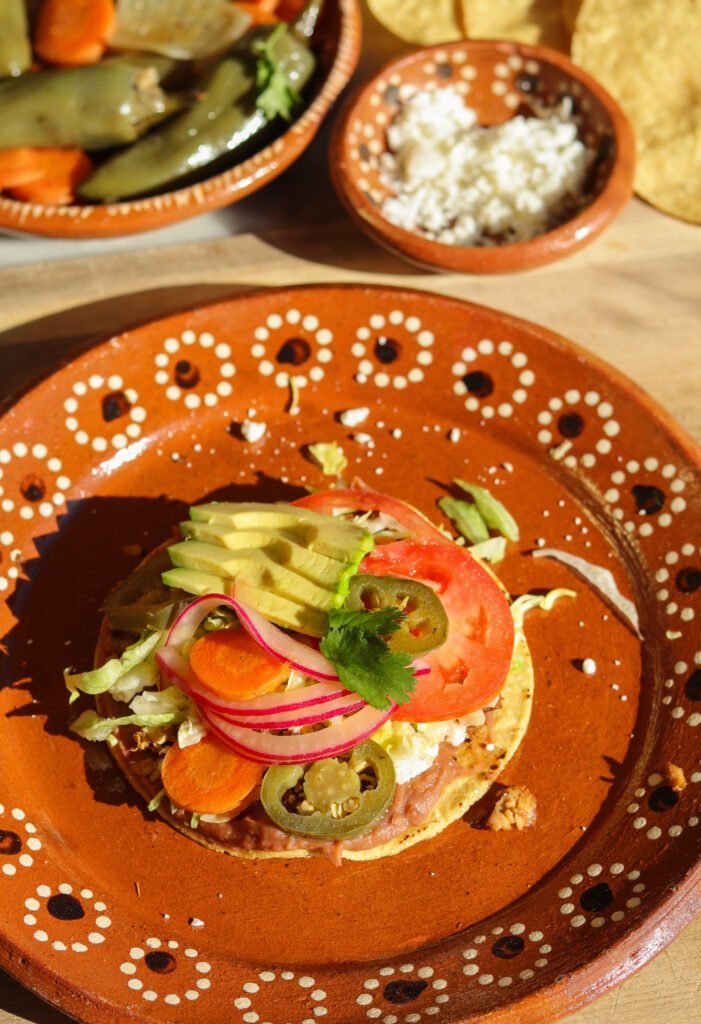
633	298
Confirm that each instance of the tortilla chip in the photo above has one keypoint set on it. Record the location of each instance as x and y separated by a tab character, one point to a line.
507	729
538	22
416	21
648	57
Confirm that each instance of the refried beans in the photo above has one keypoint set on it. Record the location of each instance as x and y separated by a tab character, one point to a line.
412	803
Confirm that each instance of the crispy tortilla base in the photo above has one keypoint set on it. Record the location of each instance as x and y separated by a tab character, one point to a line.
507	729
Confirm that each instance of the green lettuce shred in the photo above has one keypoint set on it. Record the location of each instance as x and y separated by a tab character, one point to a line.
467	519
153	804
491	550
100	680
494	514
149	710
527	602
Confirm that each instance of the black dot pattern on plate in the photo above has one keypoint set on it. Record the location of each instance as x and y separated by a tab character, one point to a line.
692	689
526	82
114	405
64	907
294	352
391	94
160	962
688	580
478	383
570	424
399	992
648	499
444	70
508	947
662	799
187	375
596	898
33	487
387	349
10	843
363	152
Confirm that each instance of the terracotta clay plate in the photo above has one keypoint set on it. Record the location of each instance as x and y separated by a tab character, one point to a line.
114	916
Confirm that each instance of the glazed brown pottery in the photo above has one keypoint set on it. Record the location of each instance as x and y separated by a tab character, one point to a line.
337	52
498	80
114	916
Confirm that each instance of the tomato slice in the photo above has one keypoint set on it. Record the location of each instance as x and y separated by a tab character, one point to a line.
469	669
363	500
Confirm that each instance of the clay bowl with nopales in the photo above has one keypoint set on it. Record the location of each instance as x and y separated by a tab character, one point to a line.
99	899
337	50
498	80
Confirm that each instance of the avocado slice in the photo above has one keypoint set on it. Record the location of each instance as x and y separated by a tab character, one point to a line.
334	538
281	546
282	610
197	583
255	566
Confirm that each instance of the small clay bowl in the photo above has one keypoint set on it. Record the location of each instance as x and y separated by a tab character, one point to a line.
337	51
498	80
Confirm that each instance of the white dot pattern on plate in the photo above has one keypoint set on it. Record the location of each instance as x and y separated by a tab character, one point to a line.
160	970
315	996
393	350
66	917
292	344
33	486
647	496
117	406
21	843
479	371
578	427
195	369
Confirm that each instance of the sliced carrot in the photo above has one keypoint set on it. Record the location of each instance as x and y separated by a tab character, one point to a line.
261	11
19	166
233	666
207	777
72	32
62	170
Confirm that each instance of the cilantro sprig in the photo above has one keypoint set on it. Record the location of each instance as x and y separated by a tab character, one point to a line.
357	647
277	97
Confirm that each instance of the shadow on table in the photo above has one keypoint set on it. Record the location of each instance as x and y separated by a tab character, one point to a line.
23	1004
26	355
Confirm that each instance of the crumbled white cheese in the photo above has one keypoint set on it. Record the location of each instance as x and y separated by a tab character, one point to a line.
454	435
462	184
252	431
397	432
363	438
195	922
354	417
589	667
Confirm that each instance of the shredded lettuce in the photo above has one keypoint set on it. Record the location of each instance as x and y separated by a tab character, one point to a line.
527	602
492	550
599	579
100	680
137	679
194	820
495	515
157	708
467	519
153	804
192	730
329	456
